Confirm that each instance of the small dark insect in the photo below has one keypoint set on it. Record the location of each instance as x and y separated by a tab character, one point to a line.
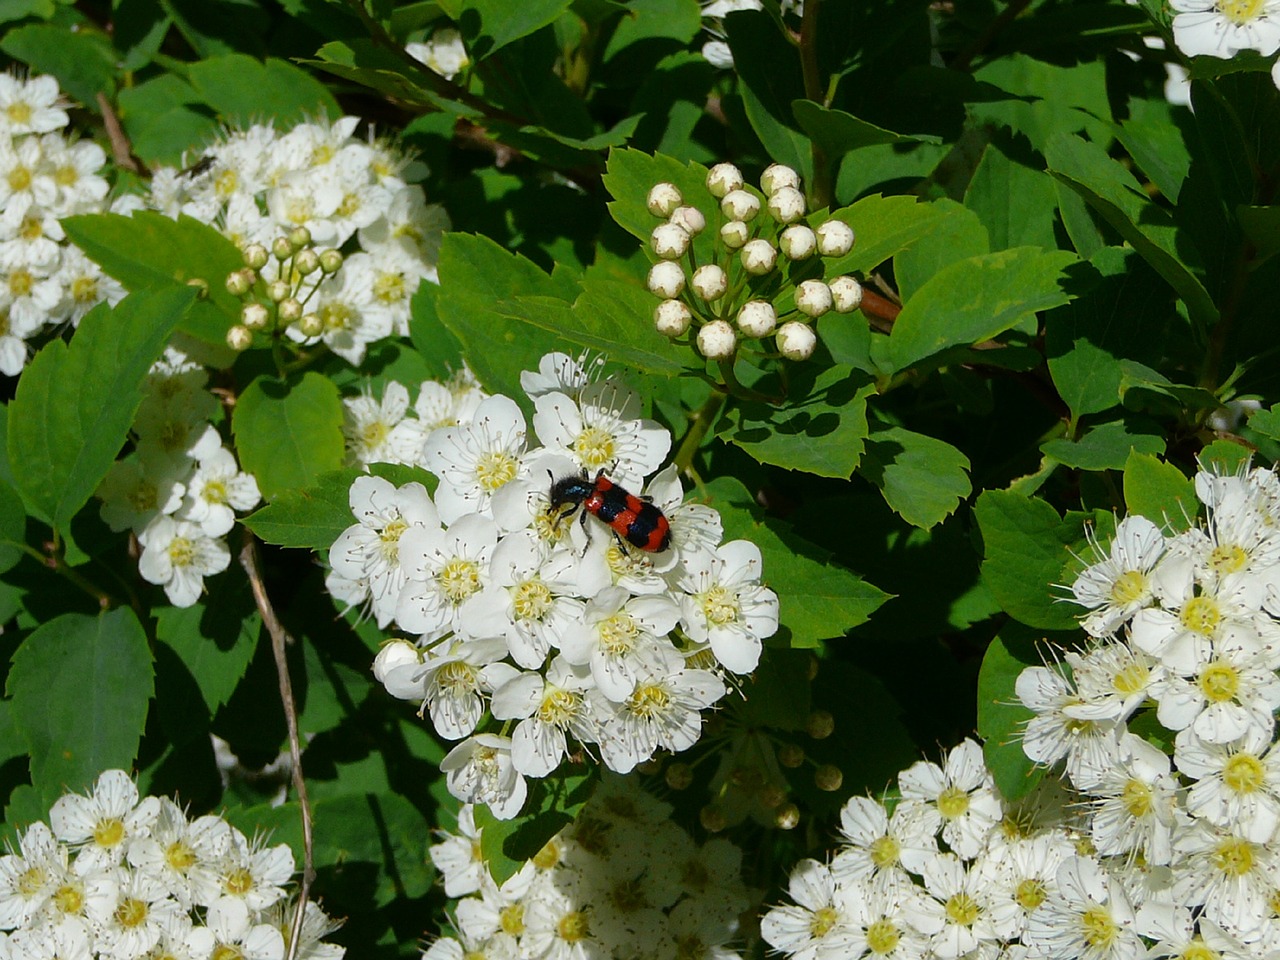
200	166
633	519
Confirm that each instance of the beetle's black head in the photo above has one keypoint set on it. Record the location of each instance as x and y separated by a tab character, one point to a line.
570	491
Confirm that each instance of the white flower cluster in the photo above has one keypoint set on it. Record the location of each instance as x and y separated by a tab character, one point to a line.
179	488
558	629
258	184
43	177
623	880
382	431
747	288
119	877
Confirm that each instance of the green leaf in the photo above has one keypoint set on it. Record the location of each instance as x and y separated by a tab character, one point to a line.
1154	139
433	341
922	479
1016	203
1142	388
629	174
819	599
884	227
1001	716
1223	456
76	402
1105	447
215	639
770	84
958	235
489	25
164	119
838	132
289	432
82	60
1116	196
977	299
149	249
822	433
1025	553
80	687
1045	99
645	23
1262	226
244	90
1158	491
553	805
13	528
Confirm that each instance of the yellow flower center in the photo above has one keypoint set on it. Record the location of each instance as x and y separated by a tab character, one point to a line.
884	851
1197	949
238	882
31	881
595	448
1244	773
882	936
349	206
627	896
32	228
181	552
1132	678
1201	614
226	182
1219	682
390	540
336	316
131	912
459	579
648	700
962	909
1241	12
1227	558
1234	857
19	113
1136	798
618	633
548	856
496	470
532	600
21	281
823	921
457	677
1030	893
695	876
511	919
226	951
720	606
1098	929
19	179
691	947
559	707
389	288
108	832
85	290
215	491
180	856
573	927
66	175
70	898
953	802
373	435
1130	587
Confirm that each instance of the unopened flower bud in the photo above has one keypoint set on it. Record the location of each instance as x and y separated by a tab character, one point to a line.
670	241
813	298
330	261
734	234
396	653
256	256
796	341
281	248
772	796
306	262
791	755
787	817
310	325
758	257
239	338
663	198
277	290
239	282
828	777
757	318
740	205
835	238
798	242
679	776
820	724
722	178
690	218
787	205
671	318
717	341
299	237
777	176
255	316
289	310
666	279
710	282
712	818
201	286
846	294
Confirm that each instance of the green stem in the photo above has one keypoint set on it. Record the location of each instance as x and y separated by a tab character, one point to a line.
698	427
737	389
820	184
54	561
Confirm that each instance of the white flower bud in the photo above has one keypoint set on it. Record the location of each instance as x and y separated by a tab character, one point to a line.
722	178
299	237
290	310
757	318
740	205
813	298
798	242
787	205
835	238
690	218
710	282
281	248
846	294
671	318
255	316
758	257
240	282
239	338
397	653
307	262
776	176
277	290
670	241
796	341
666	279
256	256
310	325
663	198
330	261
717	341
734	234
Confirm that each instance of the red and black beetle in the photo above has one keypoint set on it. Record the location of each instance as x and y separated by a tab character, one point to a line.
633	519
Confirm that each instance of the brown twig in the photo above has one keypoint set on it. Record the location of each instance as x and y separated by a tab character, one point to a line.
121	149
279	640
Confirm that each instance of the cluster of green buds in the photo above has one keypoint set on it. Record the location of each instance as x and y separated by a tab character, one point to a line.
765	278
276	285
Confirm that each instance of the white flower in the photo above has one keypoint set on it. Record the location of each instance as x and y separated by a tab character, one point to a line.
1112	679
1022	878
448	571
557	927
1236	784
458	858
28	878
178	556
14	331
819	925
615	635
965	897
963	793
881	848
547	709
230	931
131	922
450	682
375	431
602	431
139	488
352	318
479	770
726	606
443	53
1119	584
1228	874
182	854
1222	28
1136	810
104	822
475	461
31	105
74	168
1065	726
253	873
216	490
1088	915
